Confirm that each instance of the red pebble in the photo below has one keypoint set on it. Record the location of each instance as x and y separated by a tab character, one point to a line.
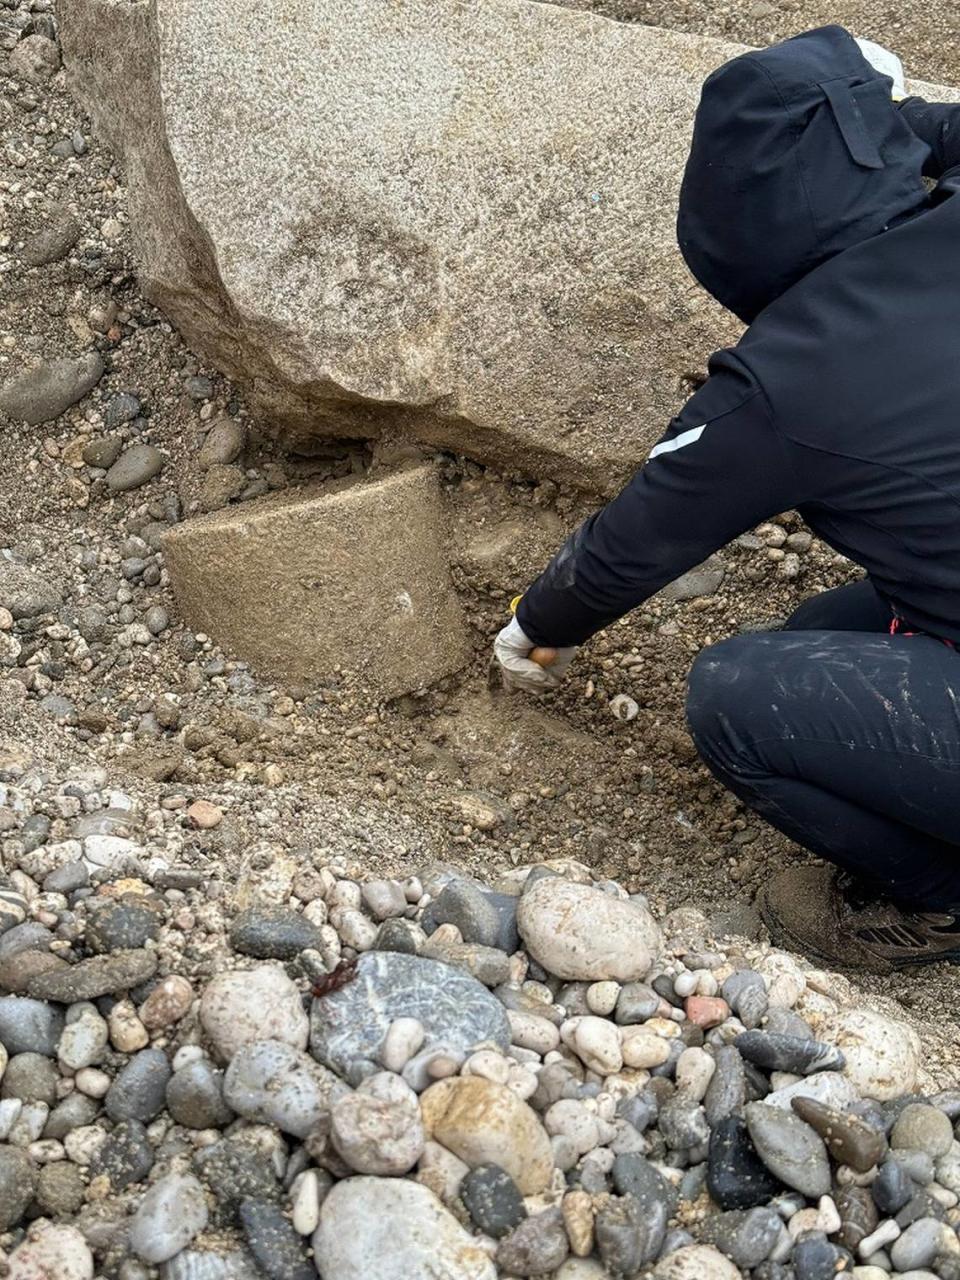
706	1011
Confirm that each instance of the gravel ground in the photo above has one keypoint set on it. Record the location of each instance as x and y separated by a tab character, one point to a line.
103	681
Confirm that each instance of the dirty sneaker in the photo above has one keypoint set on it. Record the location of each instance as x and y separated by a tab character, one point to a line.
824	913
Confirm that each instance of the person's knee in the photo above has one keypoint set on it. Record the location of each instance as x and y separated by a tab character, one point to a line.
721	687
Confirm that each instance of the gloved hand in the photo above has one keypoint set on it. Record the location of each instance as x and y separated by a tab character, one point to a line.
888	64
512	649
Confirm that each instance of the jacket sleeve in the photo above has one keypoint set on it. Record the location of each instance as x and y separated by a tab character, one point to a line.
721	469
938	125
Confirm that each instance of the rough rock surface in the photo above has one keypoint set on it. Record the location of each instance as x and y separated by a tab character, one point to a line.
463	227
355	580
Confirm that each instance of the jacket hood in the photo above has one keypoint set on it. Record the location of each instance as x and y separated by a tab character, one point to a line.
798	153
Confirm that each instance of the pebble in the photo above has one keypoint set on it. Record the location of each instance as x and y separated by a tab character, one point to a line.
172	1212
394	1230
273	1083
84	1039
123	924
43	392
305	1202
892	1188
454	1009
858	1215
377	1128
882	1055
138	1091
235	1171
923	1128
537	1246
127	1032
125	1157
706	1011
273	933
486	1123
245	1005
789	1148
493	1200
775	1052
136	466
848	1139
636	1003
224	443
695	1070
167	1003
202	814
472	911
629	1235
60	1189
642	1049
51	1250
921	1243
745	1237
195	1096
597	1044
697	1262
815	1258
102	452
205	1264
579	933
18	1179
278	1249
94	977
405	1036
29	1026
30	1077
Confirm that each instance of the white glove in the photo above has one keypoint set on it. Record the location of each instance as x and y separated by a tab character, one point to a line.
887	63
511	650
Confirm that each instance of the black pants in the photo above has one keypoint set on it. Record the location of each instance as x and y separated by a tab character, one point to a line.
845	738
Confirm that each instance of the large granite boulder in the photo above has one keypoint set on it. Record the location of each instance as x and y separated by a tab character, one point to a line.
449	221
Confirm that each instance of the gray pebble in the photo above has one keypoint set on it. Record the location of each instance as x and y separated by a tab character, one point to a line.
121	409
463	904
746	1237
492	1200
68	878
126	1157
273	933
43	392
122	924
629	1237
134	467
25	937
636	1003
25	593
61	1189
273	1242
95	977
138	1092
919	1245
75	1111
29	1026
536	1247
54	241
31	1077
157	619
18	1178
195	1097
235	1172
789	1148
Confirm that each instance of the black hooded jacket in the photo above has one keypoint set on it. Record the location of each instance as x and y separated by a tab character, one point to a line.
804	211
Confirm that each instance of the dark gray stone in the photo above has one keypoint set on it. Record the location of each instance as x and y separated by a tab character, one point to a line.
683	1124
397	935
727	1091
456	1010
280	1252
273	933
102	452
482	916
635	1176
122	408
195	1097
636	1003
29	936
736	1176
138	1092
815	1258
892	1188
29	1026
235	1172
68	878
123	924
746	994
126	1157
775	1052
492	1200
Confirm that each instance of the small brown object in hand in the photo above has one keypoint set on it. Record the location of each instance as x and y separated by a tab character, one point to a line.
543	657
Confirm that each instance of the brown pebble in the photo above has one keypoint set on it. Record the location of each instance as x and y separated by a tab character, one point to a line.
706	1011
167	1003
205	815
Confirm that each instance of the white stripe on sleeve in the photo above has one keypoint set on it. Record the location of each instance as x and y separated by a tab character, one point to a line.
678	442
